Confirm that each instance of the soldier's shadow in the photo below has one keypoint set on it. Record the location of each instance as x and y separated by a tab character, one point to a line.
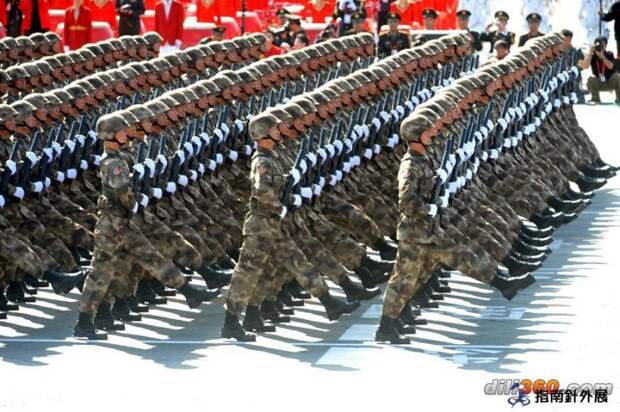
474	328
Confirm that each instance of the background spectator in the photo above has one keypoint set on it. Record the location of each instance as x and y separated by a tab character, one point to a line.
614	15
169	17
103	10
36	16
78	26
129	12
604	76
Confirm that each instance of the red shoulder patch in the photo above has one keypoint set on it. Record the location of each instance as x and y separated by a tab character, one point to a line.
116	171
262	170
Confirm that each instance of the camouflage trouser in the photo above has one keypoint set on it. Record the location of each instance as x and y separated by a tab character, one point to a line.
18	253
118	247
66	207
353	220
346	250
259	248
168	242
70	233
417	253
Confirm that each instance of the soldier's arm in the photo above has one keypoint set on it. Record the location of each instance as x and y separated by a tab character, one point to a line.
264	189
411	202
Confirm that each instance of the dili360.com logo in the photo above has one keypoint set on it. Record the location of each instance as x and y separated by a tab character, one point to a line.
521	398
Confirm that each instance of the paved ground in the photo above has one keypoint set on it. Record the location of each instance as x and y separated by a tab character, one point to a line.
564	327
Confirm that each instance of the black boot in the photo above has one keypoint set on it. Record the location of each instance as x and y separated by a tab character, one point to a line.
270	312
254	322
34	282
233	329
423	300
120	311
571	194
512	285
388	332
525	248
386	251
213	278
2	315
335	308
408	316
15	293
588	184
104	319
564	205
135	305
285	310
160	289
368	280
297	291
517	267
404	329
194	295
145	294
63	283
285	297
355	292
440	286
535	231
5	305
226	263
379	270
85	328
535	241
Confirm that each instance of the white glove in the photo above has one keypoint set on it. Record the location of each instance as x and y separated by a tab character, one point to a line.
183	180
432	210
71	174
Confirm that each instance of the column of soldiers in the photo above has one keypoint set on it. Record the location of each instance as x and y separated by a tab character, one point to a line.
487	176
15	50
52	157
160	189
323	177
203	190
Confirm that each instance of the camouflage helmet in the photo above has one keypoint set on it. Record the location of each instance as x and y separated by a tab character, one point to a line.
261	125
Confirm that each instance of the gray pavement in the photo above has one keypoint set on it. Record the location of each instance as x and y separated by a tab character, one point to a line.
563	327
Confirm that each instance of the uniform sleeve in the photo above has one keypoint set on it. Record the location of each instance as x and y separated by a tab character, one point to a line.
139	10
382	46
264	188
410	202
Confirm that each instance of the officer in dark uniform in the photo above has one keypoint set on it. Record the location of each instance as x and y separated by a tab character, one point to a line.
357	20
217	34
430	16
500	32
290	30
533	24
463	16
393	41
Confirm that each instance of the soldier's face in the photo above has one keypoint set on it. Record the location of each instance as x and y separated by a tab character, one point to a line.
13	53
3	88
21	84
200	66
55	113
89	65
147	126
31	121
41	115
143	52
46	79
10	124
533	26
108	58
56	47
463	23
